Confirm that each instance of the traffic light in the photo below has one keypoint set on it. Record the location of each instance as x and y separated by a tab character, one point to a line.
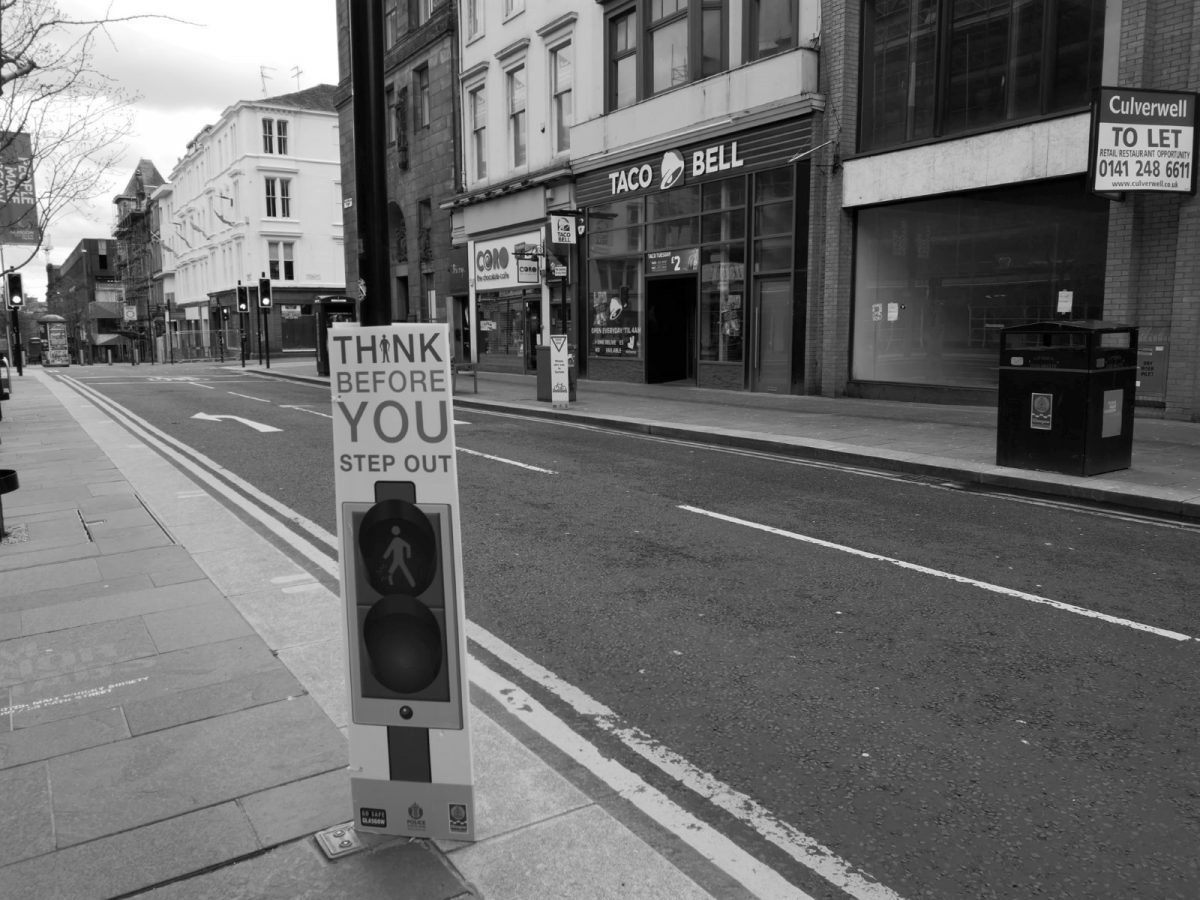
225	313
402	614
16	293
243	298
264	293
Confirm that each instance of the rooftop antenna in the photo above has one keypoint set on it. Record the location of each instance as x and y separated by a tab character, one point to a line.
296	73
262	73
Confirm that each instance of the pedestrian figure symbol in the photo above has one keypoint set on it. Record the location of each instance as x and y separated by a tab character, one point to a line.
383	348
398	552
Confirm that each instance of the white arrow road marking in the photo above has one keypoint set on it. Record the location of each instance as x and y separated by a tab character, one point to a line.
257	426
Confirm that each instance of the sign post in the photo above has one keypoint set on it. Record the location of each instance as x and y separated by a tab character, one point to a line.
396	486
1143	141
560	386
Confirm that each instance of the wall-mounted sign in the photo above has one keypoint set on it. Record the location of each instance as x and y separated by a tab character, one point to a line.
563	229
504	262
668	172
1143	141
664	262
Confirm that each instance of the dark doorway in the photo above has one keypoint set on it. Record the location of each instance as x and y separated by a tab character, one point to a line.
670	329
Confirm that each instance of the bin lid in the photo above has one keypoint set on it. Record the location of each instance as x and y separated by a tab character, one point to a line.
1087	325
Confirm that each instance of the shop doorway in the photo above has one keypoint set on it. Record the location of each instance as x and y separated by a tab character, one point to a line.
670	343
771	346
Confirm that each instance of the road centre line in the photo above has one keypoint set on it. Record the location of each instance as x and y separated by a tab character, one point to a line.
314	412
511	462
265	514
762	880
950	576
804	849
248	397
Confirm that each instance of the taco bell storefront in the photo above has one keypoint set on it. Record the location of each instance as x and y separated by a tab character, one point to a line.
695	262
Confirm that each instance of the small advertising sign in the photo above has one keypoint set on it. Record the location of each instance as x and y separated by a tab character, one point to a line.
505	262
663	262
1143	141
562	229
560	391
18	201
1041	412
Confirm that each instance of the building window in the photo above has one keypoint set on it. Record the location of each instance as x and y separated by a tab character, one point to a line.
562	78
683	41
936	280
425	230
421	101
474	18
389	100
279	198
275	136
391	22
281	260
478	106
772	27
512	7
400	123
516	114
622	59
419	11
940	67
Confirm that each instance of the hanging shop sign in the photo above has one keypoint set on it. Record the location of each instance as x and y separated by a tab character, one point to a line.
1143	141
505	262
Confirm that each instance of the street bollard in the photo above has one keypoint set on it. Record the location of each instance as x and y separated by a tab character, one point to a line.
8	484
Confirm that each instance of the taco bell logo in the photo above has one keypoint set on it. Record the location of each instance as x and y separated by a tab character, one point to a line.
671	170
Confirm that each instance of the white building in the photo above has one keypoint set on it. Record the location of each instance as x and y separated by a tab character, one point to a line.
258	194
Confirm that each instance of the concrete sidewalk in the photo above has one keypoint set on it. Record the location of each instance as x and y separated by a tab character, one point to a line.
173	709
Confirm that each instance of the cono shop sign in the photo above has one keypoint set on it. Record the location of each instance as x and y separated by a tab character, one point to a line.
494	262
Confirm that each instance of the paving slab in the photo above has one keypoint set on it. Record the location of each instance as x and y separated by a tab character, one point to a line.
58	652
102	726
299	871
230	695
112	788
111	606
300	808
152	678
134	860
190	626
26	825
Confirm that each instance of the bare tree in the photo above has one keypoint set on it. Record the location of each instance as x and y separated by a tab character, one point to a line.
75	116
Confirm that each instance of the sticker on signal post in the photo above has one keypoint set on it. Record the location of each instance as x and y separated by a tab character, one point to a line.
392	416
1143	141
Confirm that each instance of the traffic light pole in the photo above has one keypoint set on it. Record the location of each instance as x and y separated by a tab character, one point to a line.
370	161
265	336
242	335
16	347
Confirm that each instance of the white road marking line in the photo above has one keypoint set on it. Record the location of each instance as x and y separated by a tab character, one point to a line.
762	880
799	846
248	397
511	462
307	410
950	576
68	698
289	579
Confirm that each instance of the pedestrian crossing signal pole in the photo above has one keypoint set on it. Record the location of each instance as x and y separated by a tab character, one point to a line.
15	299
243	307
264	310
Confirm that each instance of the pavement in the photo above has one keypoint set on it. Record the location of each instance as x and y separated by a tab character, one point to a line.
172	698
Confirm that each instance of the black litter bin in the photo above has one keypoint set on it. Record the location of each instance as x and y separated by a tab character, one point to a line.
329	312
1066	395
544	389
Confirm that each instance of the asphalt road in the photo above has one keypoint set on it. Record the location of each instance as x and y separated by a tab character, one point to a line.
806	648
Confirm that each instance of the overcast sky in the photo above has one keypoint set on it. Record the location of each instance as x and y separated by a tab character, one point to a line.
186	75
